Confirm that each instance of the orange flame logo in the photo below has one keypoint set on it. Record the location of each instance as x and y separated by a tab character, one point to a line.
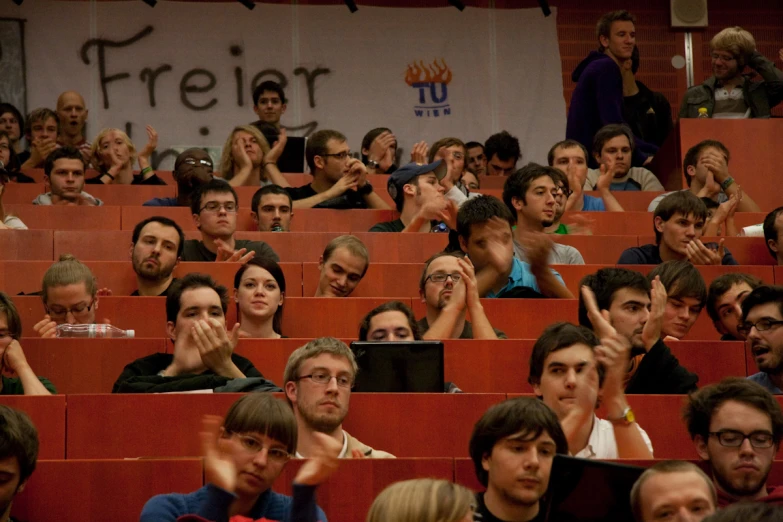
435	73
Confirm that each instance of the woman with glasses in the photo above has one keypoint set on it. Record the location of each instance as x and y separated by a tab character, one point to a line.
423	500
114	155
259	291
12	359
243	455
247	159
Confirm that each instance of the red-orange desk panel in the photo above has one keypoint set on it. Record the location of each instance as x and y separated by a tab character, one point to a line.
48	415
25	244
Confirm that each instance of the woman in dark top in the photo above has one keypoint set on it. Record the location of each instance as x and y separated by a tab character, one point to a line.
114	154
259	291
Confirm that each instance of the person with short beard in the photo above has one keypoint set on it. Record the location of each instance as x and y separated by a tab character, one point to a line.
18	456
762	316
729	94
317	380
737	426
156	248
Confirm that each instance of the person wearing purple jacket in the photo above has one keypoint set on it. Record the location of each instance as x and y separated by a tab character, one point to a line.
598	97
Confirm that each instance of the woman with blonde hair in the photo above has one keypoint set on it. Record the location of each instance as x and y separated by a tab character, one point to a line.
114	155
247	159
423	500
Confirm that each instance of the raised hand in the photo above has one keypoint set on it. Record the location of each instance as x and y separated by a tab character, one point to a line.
449	214
420	152
380	150
651	332
613	354
605	177
214	344
538	247
277	148
599	318
227	254
46	328
322	462
468	273
698	254
149	148
219	467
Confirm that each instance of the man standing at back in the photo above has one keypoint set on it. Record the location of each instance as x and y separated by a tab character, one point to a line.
598	97
72	113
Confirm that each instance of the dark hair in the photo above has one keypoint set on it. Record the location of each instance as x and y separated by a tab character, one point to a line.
268	85
18	439
635	59
504	146
681	279
473	145
703	403
762	295
556	337
317	145
565	144
605	283
607	132
40	114
7	107
445	143
369	138
271	266
518	183
13	165
604	25
453	253
268	189
722	284
62	153
189	282
682	202
391	306
263	413
166	222
770	231
526	415
14	323
692	156
755	511
479	210
217	185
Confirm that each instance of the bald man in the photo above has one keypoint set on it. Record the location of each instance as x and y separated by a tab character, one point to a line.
72	112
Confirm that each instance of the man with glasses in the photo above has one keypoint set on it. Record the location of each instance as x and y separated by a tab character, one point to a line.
70	295
215	205
243	456
736	426
729	94
192	169
530	194
449	290
317	380
339	180
762	317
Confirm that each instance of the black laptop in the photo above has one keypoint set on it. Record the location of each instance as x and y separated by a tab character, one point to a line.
588	490
401	367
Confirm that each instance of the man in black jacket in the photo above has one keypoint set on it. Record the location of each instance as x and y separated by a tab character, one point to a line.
203	355
635	308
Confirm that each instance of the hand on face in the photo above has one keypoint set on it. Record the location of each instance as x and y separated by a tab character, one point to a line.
715	162
380	149
356	169
698	254
241	158
41	148
12	357
214	344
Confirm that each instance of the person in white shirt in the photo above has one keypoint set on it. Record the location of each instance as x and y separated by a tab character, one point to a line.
569	367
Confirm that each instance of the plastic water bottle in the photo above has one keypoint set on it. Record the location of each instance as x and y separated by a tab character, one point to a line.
277	227
100	331
753	231
703	113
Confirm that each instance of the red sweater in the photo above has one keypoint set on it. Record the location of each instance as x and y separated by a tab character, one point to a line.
774	496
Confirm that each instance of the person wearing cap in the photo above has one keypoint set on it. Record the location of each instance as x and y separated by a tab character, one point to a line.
192	169
420	199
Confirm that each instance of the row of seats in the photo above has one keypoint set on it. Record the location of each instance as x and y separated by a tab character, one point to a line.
97	487
106	426
113	245
78	366
381	280
311	317
305	220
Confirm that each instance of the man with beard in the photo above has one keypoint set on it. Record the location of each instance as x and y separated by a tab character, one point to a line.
317	381
762	316
635	308
737	426
156	247
449	289
530	194
729	94
18	456
192	169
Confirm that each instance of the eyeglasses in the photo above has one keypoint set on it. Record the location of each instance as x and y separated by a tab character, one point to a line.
340	155
255	446
440	277
566	192
735	439
457	155
194	161
761	325
722	58
215	206
62	313
323	379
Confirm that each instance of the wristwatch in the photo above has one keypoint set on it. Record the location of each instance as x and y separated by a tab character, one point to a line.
373	164
625	419
366	189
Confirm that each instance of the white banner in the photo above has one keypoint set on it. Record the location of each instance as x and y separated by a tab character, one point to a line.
188	69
